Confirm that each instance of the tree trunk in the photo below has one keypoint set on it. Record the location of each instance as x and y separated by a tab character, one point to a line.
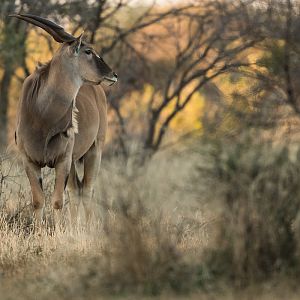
4	88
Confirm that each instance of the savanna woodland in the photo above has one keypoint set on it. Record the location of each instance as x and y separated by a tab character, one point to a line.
198	194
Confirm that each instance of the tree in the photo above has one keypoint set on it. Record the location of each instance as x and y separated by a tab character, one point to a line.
10	58
13	51
99	18
204	41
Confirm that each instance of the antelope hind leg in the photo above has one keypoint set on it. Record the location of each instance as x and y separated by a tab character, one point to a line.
92	160
74	190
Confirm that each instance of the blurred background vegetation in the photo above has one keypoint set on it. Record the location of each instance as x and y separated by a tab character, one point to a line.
185	67
201	171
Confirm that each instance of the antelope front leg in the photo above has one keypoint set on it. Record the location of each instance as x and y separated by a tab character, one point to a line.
62	170
38	199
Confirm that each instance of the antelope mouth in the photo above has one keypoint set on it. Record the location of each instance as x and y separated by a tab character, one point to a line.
110	80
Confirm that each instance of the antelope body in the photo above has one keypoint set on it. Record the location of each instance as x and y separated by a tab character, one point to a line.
62	119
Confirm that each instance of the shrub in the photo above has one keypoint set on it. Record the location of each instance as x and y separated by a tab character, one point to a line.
259	193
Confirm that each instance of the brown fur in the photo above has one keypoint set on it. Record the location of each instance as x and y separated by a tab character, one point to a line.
62	118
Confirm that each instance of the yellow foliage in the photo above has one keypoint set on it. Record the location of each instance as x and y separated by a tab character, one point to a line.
38	48
190	118
135	107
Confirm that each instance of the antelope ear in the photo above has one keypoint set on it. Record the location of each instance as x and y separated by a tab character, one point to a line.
76	45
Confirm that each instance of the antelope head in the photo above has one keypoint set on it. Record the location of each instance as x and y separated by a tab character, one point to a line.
76	55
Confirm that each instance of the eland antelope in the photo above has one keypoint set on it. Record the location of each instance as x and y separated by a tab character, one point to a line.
62	119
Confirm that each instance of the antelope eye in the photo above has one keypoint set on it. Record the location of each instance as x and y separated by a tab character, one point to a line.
88	52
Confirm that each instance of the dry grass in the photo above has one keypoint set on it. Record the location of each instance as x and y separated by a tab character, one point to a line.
137	243
154	232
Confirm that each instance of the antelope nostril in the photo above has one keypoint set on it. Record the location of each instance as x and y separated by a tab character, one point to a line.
115	74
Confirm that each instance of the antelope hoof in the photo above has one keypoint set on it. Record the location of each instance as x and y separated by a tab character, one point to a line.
58	204
38	205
